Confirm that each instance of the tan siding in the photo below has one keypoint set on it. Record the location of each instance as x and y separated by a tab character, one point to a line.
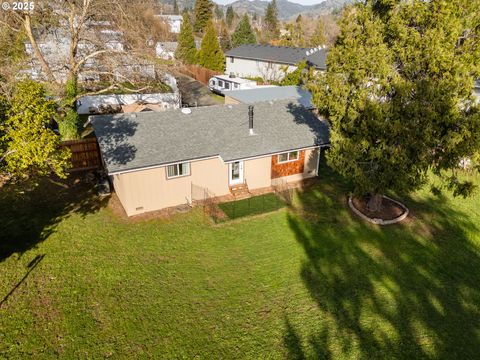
257	172
149	190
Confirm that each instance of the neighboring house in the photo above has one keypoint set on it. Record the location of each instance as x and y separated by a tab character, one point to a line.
166	49
99	104
154	160
54	44
270	62
273	93
174	22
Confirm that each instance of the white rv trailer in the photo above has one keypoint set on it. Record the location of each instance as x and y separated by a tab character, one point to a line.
221	83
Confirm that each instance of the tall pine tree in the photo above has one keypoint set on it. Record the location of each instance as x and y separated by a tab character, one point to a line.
398	94
218	12
243	33
203	13
229	16
186	51
210	54
271	21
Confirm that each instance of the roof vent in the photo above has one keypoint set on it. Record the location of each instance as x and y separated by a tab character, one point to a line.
308	52
250	119
186	111
232	75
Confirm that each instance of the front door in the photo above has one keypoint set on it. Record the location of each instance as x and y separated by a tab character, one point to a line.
235	171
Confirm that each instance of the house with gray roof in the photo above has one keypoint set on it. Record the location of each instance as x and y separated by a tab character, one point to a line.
270	62
155	160
270	93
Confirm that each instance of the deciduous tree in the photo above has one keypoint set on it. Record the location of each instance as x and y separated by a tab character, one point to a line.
225	41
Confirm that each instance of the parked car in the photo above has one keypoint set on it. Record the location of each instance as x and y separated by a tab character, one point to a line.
221	83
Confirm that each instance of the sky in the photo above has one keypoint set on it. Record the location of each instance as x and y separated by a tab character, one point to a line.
303	2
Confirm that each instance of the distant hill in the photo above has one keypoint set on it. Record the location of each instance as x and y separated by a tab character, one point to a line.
286	9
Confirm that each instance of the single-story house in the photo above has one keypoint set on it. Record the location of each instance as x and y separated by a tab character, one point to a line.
268	61
154	160
272	93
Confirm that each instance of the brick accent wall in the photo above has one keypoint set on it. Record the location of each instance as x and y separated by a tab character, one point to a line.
288	168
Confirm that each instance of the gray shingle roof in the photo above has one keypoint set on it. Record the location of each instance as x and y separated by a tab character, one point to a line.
249	96
129	142
280	54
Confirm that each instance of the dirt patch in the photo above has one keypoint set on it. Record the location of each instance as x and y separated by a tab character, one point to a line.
117	209
390	209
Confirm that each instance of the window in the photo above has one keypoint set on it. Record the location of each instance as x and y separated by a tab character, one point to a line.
232	59
220	83
287	157
235	86
177	170
227	85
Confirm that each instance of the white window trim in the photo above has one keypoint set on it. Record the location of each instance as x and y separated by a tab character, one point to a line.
177	164
288	157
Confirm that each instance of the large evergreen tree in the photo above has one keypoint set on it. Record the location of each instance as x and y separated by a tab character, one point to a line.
271	20
229	16
218	12
243	33
203	13
210	54
398	94
186	51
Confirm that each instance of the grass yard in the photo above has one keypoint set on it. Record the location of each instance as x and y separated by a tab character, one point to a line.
310	281
252	206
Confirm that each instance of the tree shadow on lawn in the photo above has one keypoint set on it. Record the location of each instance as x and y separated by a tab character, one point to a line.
410	290
30	216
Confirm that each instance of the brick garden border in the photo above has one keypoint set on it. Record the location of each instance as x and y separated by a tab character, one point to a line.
380	221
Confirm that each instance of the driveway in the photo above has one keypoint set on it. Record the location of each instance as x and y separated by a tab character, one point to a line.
194	93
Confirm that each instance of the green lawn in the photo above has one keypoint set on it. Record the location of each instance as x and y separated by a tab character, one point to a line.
307	282
252	206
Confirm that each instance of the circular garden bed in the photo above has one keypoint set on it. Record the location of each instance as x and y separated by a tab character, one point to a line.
391	212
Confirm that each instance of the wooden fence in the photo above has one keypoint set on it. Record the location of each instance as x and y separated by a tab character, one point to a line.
85	154
199	73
